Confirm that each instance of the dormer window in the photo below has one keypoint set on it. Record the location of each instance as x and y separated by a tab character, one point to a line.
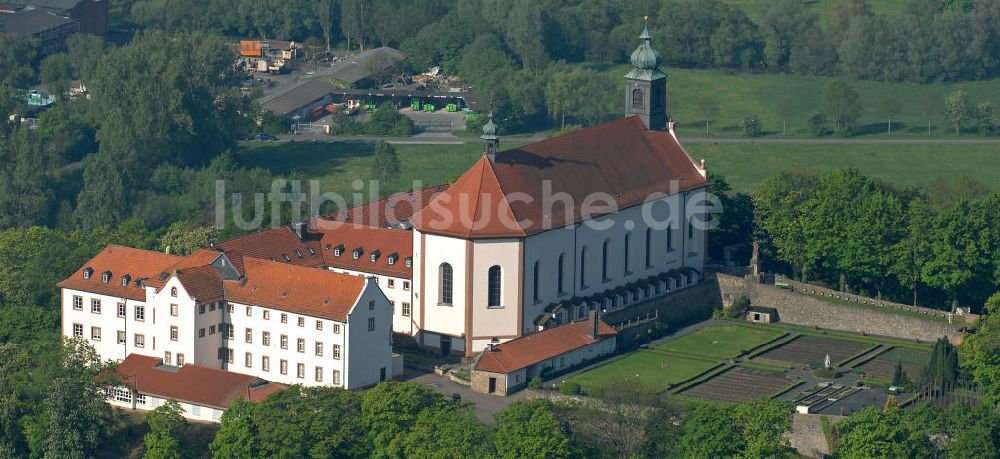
88	273
164	275
409	262
311	251
287	258
357	253
298	253
392	259
125	280
374	256
106	277
338	250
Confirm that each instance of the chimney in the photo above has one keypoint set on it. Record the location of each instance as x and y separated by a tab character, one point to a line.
300	229
595	328
166	250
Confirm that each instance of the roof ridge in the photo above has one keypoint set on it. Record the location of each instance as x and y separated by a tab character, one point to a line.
603	125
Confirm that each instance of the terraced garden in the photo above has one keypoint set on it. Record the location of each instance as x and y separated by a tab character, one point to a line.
807	350
723	342
883	365
739	385
654	370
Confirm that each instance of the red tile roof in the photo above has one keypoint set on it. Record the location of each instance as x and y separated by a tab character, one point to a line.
203	283
384	242
298	289
390	212
280	244
528	350
620	158
192	383
120	260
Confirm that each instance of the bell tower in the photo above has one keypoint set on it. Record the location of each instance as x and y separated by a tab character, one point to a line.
491	141
646	85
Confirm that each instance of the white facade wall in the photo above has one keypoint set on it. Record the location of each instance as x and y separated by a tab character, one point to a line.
440	318
159	305
491	323
146	402
109	323
369	349
575	357
398	290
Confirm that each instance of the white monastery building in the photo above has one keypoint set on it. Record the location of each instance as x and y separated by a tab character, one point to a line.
527	239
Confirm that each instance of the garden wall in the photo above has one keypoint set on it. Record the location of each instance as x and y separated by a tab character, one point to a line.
685	306
802	309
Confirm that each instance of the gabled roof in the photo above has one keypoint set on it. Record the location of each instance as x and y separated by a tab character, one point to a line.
138	264
395	211
277	243
298	289
192	383
297	97
621	159
475	206
387	243
528	350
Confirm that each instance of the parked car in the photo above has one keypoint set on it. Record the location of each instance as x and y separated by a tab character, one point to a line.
265	138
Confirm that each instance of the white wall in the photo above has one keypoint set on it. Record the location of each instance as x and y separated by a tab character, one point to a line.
191	411
159	306
369	352
441	319
397	293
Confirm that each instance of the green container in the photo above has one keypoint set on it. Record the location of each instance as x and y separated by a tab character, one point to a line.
452	108
428	107
415	105
469	116
370	106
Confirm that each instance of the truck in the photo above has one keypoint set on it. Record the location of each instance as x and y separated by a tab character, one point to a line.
277	66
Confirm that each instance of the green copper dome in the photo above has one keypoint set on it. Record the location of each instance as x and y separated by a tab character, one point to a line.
645	57
489	130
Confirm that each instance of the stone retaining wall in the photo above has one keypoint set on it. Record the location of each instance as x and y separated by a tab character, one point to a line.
801	309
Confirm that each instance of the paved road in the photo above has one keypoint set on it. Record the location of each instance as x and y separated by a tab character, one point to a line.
484	405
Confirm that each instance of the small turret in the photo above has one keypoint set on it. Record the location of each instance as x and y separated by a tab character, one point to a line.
491	141
646	85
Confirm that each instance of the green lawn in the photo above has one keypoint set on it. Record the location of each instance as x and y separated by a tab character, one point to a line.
722	342
745	166
654	370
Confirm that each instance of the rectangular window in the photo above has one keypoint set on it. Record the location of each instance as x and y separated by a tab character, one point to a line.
392	283
173	310
336	352
121	337
201	332
222	353
302	321
201	309
406	309
78	302
121	310
95	306
123	394
140	313
231	356
231	308
180	360
336	377
248	360
167	358
173	333
265	338
319	325
249	311
301	345
284	341
300	371
230	331
283	367
211	329
319	349
406	285
211	306
140	398
95	333
265	363
336	329
284	318
267	315
140	340
371	324
319	374
248	335
371	305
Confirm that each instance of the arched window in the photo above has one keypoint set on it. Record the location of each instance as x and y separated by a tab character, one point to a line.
583	268
493	293
628	243
534	288
173	291
445	274
649	247
604	260
637	98
560	274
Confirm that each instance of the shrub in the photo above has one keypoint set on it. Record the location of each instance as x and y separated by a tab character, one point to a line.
817	125
569	388
535	383
751	126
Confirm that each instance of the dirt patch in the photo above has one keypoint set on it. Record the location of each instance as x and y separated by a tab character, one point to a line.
739	385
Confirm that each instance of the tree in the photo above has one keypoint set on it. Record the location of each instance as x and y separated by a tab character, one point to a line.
817	124
183	239
751	126
898	375
763	424
386	169
710	432
662	432
983	115
914	249
102	201
166	424
785	109
890	107
708	109
929	106
237	436
447	431
325	13
874	433
942	369
389	410
25	197
958	109
782	212
842	102
310	422
531	430
982	351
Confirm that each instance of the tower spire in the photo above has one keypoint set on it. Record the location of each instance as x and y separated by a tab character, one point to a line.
645	84
491	141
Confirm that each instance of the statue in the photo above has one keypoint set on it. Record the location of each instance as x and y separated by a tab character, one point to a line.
755	261
826	362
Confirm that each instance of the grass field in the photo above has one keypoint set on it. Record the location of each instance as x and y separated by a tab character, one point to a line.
654	370
745	166
723	342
